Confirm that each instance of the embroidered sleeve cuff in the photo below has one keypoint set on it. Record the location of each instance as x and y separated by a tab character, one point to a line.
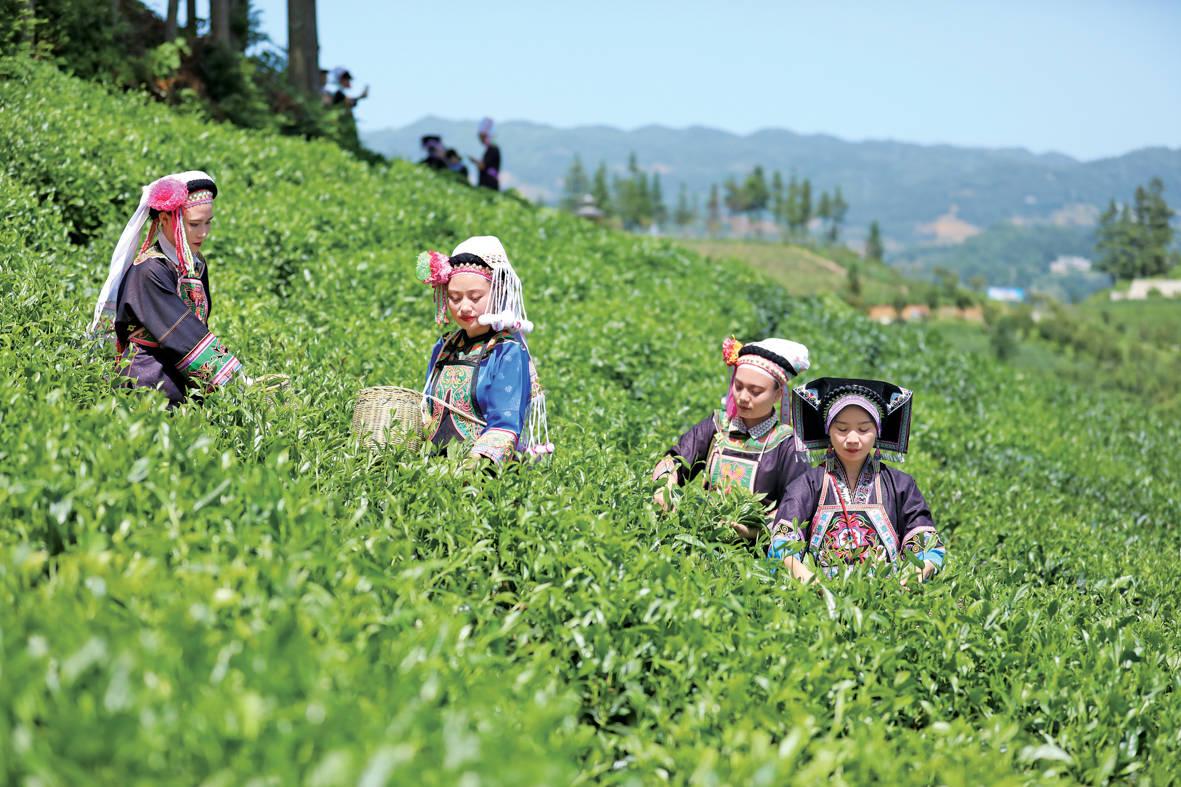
934	555
209	364
785	542
495	444
926	545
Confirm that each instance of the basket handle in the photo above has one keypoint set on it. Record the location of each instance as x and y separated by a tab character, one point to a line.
455	410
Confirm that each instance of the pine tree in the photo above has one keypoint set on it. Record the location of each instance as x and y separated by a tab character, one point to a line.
1134	241
755	192
824	210
601	191
1153	216
873	245
735	198
837	209
854	278
777	198
632	200
804	211
713	208
1108	242
792	206
683	214
574	186
657	210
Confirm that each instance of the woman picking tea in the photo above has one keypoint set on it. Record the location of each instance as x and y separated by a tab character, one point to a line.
852	508
747	444
481	384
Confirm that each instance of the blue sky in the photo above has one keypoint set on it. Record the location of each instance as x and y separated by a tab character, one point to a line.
1087	78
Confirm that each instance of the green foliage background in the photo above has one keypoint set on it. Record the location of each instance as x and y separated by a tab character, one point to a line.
236	594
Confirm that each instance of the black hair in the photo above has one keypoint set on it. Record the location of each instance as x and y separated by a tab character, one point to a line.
468	258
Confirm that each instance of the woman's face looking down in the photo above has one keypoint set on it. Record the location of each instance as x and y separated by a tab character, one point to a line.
852	434
754	393
467	299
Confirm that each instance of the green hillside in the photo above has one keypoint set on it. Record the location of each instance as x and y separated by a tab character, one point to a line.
812	271
237	594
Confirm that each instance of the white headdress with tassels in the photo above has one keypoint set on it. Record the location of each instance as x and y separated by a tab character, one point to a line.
506	301
506	312
165	195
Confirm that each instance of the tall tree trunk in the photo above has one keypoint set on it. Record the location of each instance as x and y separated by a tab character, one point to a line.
219	22
303	47
190	19
170	20
240	24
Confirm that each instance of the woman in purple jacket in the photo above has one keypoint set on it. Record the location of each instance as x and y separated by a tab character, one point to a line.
852	508
747	444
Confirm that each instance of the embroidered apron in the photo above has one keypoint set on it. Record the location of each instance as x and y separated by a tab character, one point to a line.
454	380
848	532
734	461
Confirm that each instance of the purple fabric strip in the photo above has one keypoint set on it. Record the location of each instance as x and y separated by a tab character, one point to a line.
853	399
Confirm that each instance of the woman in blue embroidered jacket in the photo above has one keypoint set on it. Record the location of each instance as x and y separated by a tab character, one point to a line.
481	386
852	508
156	303
745	445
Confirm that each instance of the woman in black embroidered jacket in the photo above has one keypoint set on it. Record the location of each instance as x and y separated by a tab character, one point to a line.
852	508
156	302
746	444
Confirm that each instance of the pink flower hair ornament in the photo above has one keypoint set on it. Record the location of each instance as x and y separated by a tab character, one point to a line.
730	348
167	195
433	268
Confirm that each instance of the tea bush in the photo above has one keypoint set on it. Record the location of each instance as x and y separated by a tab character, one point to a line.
238	594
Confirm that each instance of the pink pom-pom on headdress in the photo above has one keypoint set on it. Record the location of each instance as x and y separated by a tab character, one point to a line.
730	348
434	268
167	195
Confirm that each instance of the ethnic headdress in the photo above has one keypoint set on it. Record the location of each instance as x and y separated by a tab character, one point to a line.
779	359
814	405
168	196
483	255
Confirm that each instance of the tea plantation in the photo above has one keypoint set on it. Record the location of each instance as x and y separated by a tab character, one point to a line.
238	595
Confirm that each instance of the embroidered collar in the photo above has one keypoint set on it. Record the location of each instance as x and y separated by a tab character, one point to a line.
759	430
861	494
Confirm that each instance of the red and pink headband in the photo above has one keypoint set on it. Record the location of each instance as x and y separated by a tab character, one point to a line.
435	269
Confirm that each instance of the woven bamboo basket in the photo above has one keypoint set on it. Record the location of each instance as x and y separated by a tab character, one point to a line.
389	414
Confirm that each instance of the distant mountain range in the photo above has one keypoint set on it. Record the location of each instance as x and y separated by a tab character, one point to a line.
919	193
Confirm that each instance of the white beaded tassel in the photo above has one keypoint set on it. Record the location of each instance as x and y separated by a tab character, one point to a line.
507	309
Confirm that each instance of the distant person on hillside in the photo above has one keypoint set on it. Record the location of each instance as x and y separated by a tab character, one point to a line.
489	164
326	94
853	509
456	165
481	383
156	301
745	445
343	81
432	145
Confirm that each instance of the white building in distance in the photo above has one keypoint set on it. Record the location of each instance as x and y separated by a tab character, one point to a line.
1064	265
